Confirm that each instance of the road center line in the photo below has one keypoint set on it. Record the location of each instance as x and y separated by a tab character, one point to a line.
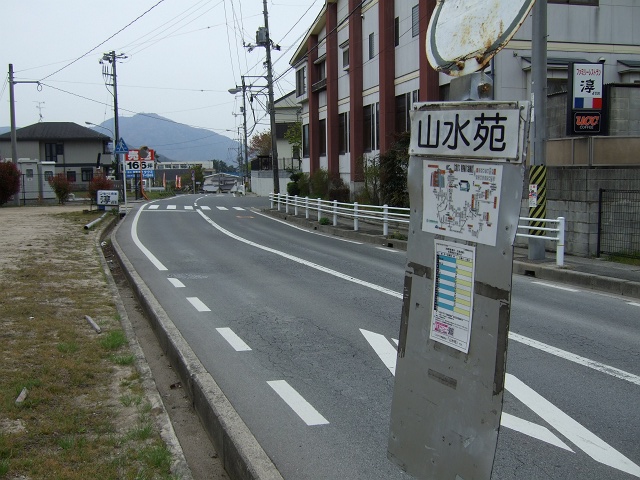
335	273
234	340
298	404
572	357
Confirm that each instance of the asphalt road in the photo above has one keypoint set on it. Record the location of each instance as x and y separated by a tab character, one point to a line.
297	328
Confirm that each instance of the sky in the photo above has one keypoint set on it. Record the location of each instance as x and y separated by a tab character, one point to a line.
183	56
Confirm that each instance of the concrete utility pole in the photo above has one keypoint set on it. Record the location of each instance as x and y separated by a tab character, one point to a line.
272	110
112	58
539	88
245	157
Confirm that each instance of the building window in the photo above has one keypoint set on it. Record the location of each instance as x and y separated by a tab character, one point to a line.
576	2
322	70
301	82
371	127
52	150
415	21
322	131
345	57
396	31
87	174
71	175
371	46
305	140
404	103
343	133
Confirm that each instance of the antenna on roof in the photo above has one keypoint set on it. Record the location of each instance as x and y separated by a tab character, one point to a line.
39	107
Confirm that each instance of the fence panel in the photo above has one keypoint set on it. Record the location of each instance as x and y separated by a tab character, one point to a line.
619	223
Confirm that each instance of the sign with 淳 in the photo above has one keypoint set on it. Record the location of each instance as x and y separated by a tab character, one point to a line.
473	130
586	99
135	164
107	198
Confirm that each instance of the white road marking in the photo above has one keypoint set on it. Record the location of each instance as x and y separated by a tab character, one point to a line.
634	304
572	357
238	208
558	287
533	430
134	235
205	207
335	273
298	404
387	352
586	441
306	230
154	207
171	207
198	304
188	207
176	283
234	340
222	208
392	250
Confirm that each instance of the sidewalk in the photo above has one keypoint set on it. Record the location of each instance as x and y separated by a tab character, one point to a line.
593	273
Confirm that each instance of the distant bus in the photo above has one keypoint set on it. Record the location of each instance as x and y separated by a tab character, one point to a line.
220	183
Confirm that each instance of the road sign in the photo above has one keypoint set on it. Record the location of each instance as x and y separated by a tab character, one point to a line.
135	164
464	35
121	147
107	197
465	181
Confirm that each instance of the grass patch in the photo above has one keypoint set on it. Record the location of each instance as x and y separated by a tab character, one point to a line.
72	424
626	260
324	221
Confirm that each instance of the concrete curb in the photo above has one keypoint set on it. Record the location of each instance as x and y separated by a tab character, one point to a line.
242	456
179	466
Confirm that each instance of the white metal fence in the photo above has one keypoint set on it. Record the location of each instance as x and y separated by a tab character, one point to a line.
386	215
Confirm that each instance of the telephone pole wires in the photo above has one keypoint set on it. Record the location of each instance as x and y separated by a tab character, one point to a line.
111	80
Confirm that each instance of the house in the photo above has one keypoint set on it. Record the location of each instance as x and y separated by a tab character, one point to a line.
77	152
362	66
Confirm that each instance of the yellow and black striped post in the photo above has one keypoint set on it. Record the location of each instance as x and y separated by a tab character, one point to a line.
538	205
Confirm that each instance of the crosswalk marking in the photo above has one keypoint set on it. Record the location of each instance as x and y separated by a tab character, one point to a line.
188	207
298	404
171	207
205	207
238	208
154	207
221	208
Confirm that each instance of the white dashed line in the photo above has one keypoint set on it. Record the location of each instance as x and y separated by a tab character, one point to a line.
234	340
176	283
298	404
197	303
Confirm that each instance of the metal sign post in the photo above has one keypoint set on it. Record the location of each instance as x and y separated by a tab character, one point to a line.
465	178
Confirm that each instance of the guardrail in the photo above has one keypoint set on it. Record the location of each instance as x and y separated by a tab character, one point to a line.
559	230
385	215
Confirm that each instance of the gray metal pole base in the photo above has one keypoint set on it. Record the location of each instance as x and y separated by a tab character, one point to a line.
536	249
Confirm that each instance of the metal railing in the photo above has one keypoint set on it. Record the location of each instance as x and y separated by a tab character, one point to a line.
559	234
375	213
385	215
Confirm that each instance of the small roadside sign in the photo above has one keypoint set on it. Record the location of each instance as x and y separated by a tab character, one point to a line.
107	197
121	147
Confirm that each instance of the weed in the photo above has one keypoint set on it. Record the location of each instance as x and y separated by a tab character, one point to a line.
4	467
114	340
398	236
158	457
71	347
142	432
324	221
128	400
123	359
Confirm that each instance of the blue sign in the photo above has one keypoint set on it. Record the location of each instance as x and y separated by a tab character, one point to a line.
121	147
145	174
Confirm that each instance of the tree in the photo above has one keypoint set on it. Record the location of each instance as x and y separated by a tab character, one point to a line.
61	187
260	144
293	135
9	181
98	183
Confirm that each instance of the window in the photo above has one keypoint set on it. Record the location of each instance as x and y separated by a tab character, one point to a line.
343	133
301	82
52	150
371	127
404	103
371	46
575	2
305	140
415	21
71	175
322	130
29	173
322	70
87	174
396	31
345	58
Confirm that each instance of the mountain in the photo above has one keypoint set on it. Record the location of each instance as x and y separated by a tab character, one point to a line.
174	141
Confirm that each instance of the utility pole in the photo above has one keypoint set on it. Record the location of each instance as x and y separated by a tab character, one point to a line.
245	169
112	58
272	110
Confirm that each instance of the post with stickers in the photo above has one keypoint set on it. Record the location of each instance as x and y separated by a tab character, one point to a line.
466	178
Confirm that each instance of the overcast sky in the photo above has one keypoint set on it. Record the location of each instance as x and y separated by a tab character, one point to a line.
183	57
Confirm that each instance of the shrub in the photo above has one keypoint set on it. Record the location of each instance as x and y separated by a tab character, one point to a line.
319	184
293	189
61	187
393	173
303	185
338	190
9	181
99	183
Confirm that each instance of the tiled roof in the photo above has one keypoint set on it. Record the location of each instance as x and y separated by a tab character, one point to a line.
55	131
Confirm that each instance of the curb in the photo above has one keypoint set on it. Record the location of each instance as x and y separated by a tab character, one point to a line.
242	456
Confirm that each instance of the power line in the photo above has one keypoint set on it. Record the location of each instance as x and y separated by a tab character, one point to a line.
102	43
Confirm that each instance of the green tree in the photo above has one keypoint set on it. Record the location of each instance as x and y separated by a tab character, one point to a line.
293	135
61	187
260	144
9	181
